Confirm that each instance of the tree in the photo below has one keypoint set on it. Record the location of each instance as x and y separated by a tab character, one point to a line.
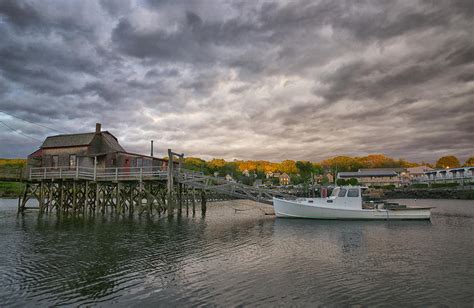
448	162
288	166
306	169
341	182
352	181
469	162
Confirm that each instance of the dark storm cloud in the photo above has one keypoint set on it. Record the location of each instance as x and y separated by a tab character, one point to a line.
240	79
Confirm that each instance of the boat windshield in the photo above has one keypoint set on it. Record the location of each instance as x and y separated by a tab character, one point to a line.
335	192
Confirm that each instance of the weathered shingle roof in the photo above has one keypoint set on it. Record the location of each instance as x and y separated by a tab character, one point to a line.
68	140
110	143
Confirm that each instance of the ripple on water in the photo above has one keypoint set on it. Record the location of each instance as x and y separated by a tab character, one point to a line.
243	258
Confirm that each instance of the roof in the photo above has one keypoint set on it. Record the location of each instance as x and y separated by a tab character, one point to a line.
419	169
449	170
71	140
74	140
367	173
383	169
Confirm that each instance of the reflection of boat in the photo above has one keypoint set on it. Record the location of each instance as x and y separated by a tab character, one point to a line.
346	203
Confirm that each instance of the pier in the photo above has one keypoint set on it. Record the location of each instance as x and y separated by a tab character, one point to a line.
129	190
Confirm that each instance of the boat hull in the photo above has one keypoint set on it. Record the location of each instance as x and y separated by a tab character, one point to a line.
291	209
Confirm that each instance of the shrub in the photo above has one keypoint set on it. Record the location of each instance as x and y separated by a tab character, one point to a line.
440	185
420	185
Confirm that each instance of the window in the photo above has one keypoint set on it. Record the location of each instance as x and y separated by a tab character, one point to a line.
139	162
72	160
114	162
342	192
55	161
335	192
353	192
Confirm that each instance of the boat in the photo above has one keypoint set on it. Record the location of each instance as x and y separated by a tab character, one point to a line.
347	202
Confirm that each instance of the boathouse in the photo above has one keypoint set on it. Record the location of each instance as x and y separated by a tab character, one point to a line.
99	148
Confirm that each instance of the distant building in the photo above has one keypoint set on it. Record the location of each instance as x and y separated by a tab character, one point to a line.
415	173
257	183
99	148
461	175
373	177
284	179
229	178
269	175
246	172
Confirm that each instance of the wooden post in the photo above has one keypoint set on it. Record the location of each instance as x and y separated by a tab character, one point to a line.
44	173
96	206
74	196
116	174
60	172
77	171
61	197
95	167
41	201
86	199
30	174
194	202
117	198
203	202
170	183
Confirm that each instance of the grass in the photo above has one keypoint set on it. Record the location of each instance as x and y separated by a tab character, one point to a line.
11	189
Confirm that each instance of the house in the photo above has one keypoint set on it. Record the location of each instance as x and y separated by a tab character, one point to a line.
284	179
229	178
246	172
373	177
268	175
418	172
99	148
461	175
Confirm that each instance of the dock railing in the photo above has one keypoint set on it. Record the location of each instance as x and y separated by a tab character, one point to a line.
97	174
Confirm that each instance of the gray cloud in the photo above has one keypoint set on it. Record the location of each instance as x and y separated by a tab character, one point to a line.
239	79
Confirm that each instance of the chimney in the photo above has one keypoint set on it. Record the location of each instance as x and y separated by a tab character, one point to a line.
97	128
151	154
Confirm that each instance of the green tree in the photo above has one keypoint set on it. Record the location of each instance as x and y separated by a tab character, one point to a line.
306	170
353	182
341	182
448	162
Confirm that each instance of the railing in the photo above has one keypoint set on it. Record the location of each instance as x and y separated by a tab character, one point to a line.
13	174
97	174
441	179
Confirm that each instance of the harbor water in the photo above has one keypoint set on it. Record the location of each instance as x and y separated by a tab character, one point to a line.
237	255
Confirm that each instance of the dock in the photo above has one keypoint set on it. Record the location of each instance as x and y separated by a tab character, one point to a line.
142	190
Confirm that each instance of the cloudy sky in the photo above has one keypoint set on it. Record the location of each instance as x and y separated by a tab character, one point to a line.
242	79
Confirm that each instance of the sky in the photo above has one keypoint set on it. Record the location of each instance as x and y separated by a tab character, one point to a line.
273	80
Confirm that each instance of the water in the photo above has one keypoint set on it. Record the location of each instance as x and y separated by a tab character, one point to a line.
243	258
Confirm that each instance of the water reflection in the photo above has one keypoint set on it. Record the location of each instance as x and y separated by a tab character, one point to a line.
230	258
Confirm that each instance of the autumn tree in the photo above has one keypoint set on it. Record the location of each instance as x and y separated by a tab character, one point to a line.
469	162
288	166
448	162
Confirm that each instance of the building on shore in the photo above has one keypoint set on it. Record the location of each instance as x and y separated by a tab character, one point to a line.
99	148
284	179
415	173
462	175
372	177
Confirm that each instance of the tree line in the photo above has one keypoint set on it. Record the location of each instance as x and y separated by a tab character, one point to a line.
302	171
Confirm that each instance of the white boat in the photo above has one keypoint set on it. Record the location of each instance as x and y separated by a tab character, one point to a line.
346	202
